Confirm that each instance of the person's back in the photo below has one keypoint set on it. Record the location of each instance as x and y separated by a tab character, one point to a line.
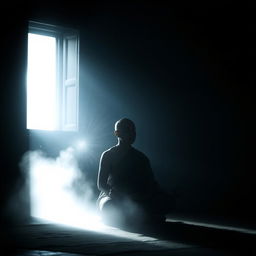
130	174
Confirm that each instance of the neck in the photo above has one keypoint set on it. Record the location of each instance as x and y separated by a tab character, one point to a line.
123	144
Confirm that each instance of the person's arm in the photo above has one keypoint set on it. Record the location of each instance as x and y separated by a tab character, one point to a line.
103	174
150	177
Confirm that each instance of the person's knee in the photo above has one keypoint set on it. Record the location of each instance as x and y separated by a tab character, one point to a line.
111	213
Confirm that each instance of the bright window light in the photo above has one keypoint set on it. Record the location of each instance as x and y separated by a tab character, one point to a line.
52	78
41	82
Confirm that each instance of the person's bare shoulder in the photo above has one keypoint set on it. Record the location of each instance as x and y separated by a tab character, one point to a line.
109	152
141	155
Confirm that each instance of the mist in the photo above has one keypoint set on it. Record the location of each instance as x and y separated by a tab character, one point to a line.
59	190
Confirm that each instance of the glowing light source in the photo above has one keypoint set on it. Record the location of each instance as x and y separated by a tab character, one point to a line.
41	82
81	145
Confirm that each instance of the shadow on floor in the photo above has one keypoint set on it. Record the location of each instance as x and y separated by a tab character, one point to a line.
228	240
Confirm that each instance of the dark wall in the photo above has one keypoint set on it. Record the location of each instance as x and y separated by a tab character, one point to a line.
14	203
181	75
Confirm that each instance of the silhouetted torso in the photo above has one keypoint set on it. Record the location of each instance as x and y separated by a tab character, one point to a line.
130	174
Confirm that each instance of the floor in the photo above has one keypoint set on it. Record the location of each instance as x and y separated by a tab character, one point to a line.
174	237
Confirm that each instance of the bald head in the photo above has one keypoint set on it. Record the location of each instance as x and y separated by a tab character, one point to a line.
125	130
124	124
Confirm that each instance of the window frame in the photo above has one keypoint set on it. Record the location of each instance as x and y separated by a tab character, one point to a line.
60	33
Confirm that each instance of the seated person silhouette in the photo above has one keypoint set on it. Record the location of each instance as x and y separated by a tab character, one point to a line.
128	189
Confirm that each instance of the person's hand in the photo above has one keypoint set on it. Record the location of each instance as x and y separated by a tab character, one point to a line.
113	193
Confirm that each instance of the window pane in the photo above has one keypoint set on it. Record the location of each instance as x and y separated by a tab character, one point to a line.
71	58
70	111
41	82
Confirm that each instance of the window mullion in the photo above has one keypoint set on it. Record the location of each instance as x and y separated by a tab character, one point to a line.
59	81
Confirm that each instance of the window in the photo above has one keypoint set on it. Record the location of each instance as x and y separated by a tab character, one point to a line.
52	78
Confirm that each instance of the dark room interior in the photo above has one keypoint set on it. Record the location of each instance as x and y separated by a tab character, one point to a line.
182	74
